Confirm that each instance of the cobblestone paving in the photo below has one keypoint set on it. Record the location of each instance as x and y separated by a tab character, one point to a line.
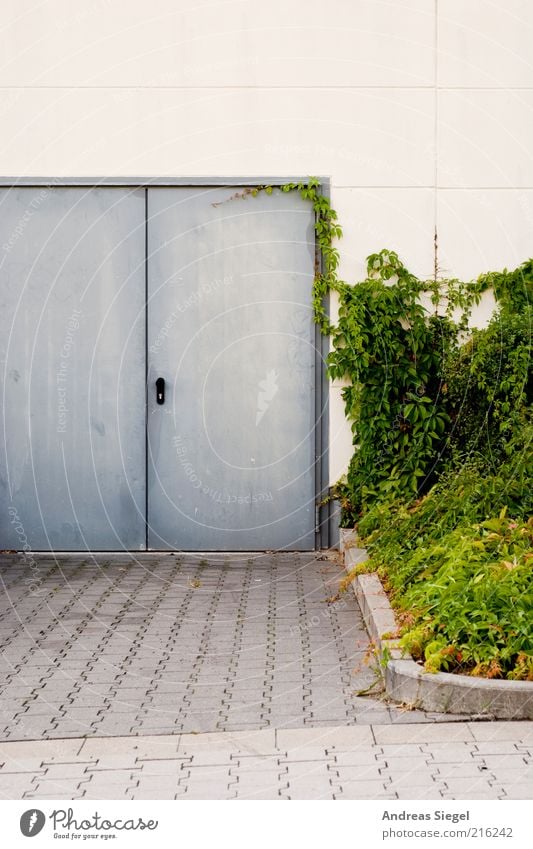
162	644
438	761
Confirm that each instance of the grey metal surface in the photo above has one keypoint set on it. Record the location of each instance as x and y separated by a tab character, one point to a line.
231	454
73	354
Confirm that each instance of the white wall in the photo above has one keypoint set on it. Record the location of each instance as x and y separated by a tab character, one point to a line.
420	111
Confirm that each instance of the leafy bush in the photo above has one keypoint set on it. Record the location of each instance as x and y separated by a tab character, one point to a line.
512	289
473	601
392	350
464	495
489	382
458	565
440	483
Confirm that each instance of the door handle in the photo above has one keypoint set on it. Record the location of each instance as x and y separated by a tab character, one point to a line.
160	390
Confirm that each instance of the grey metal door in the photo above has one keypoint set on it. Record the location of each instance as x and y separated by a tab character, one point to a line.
231	451
72	337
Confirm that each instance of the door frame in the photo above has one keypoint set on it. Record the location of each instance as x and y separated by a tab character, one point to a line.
323	513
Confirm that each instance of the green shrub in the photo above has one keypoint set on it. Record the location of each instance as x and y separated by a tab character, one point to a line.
419	401
489	382
445	511
458	565
473	600
512	289
392	350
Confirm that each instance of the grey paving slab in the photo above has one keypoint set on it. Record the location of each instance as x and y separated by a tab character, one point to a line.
158	644
341	738
435	733
333	763
516	791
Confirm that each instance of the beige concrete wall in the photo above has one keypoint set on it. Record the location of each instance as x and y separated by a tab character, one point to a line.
420	111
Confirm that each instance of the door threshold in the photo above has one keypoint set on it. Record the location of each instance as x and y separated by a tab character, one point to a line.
159	552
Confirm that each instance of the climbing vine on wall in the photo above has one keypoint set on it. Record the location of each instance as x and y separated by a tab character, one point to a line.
424	395
327	229
399	343
393	335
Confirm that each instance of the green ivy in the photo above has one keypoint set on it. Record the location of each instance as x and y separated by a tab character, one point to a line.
490	385
391	349
327	229
440	479
512	289
399	345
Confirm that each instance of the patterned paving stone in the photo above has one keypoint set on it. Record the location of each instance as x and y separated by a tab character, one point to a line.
307	763
167	644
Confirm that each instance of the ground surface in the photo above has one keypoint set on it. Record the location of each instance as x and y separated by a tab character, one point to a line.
438	761
168	644
217	677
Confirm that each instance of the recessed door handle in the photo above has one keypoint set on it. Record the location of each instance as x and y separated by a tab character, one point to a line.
160	390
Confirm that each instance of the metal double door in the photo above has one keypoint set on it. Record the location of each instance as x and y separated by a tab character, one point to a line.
158	369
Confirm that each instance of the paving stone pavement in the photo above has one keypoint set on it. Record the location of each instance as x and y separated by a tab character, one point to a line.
428	761
119	645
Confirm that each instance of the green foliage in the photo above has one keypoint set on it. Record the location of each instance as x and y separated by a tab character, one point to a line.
391	349
327	229
397	533
474	598
458	564
444	510
489	384
440	479
512	289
